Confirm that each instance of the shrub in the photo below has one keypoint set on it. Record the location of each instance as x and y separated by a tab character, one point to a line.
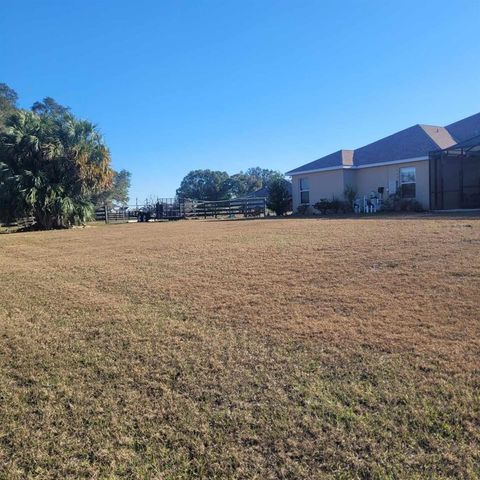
347	206
322	206
410	205
302	209
350	194
389	204
335	205
394	203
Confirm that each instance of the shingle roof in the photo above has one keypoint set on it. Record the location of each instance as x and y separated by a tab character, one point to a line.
470	145
413	142
336	159
464	129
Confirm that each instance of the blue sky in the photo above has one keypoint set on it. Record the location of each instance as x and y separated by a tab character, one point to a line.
181	85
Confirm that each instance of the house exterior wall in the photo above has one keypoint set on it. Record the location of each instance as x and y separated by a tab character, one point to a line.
322	185
332	183
349	179
388	176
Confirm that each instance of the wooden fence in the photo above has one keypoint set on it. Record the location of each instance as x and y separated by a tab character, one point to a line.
247	207
175	209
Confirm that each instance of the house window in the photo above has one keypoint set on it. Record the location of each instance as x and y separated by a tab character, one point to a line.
304	191
408	182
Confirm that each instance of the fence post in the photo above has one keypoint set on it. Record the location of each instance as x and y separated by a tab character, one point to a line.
106	212
264	207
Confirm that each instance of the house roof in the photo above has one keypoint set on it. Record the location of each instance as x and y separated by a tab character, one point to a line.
413	142
470	146
466	128
261	192
337	159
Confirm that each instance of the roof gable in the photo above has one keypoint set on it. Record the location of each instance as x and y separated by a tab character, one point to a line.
440	135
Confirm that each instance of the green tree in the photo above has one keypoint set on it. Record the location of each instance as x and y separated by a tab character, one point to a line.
8	102
242	184
279	198
205	185
263	174
8	97
118	193
48	106
50	166
121	186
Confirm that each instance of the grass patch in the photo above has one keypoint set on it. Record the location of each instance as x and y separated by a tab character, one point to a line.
266	349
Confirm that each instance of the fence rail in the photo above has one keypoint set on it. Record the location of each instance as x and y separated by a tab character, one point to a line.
110	215
246	207
175	209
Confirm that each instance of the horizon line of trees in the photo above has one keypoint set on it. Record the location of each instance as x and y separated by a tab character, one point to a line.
54	167
206	184
217	185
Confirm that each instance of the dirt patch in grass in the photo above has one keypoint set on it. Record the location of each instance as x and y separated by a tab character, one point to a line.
345	348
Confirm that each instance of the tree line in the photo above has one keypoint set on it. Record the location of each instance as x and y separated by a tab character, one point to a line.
218	185
54	167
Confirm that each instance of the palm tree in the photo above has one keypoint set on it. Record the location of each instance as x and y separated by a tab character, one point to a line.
51	165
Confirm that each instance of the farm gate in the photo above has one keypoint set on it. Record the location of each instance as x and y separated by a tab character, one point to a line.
247	207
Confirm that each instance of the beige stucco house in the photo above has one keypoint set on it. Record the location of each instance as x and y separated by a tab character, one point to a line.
399	163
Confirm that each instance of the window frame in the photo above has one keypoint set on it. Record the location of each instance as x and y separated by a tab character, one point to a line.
304	189
408	182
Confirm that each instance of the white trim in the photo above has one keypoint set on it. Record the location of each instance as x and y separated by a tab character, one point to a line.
326	169
393	162
357	167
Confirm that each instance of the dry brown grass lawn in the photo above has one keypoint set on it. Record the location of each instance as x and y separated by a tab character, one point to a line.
342	348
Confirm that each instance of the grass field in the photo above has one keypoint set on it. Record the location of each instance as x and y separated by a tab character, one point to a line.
262	349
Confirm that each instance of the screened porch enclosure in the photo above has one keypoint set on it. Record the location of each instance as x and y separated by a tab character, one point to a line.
455	176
